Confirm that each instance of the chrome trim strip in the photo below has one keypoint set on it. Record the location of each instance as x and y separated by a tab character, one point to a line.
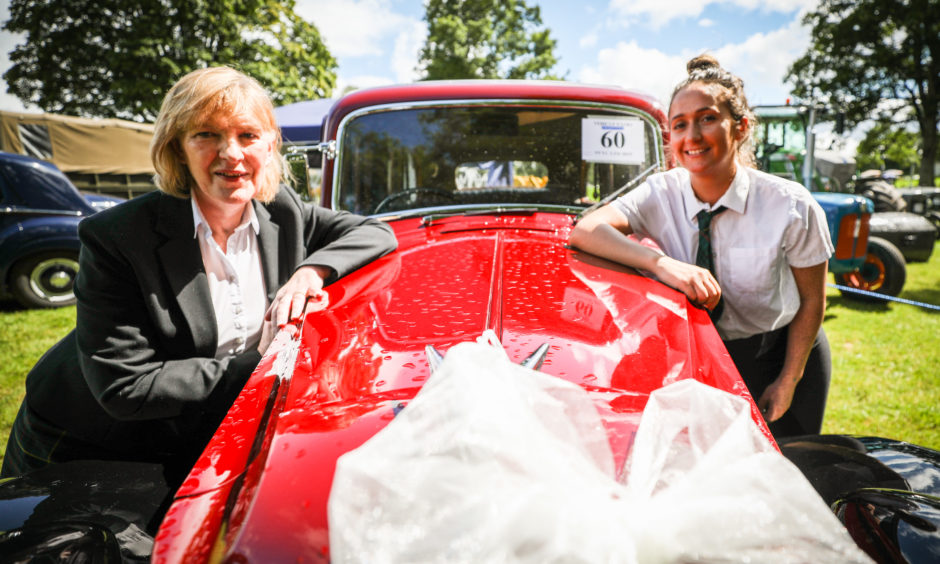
328	148
34	211
534	361
435	358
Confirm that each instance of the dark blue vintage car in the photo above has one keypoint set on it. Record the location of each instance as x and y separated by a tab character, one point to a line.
40	210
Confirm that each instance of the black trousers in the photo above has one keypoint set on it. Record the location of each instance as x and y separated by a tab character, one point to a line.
760	358
35	443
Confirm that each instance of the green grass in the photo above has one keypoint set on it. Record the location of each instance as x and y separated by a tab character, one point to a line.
24	336
886	360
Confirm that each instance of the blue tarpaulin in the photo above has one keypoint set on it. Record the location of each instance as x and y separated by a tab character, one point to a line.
301	122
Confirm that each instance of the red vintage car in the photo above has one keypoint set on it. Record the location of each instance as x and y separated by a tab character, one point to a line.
482	182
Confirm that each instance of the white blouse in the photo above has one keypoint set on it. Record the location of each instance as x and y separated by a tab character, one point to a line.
236	282
771	225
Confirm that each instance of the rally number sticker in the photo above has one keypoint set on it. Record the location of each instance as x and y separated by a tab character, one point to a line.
617	140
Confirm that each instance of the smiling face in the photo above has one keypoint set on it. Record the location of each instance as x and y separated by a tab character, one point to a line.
703	135
227	156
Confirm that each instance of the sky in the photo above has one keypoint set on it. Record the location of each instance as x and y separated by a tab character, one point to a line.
637	44
640	44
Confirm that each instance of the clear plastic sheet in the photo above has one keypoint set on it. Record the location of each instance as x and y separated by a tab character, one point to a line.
492	462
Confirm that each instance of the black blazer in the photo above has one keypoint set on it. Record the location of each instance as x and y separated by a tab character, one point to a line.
138	376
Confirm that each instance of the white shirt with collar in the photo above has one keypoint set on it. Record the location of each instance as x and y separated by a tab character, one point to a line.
236	282
771	224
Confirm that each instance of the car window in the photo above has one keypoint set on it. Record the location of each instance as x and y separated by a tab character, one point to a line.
453	156
36	186
519	174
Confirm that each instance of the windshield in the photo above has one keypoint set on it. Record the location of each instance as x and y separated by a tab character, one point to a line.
779	134
781	143
475	156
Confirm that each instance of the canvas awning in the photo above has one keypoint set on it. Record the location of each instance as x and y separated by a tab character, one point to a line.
79	145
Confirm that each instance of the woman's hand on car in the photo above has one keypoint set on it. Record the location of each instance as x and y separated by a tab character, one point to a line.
302	293
697	283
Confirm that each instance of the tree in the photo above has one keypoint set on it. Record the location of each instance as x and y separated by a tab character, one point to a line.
876	59
887	146
117	58
486	39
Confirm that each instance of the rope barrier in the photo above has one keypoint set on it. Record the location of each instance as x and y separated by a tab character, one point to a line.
883	297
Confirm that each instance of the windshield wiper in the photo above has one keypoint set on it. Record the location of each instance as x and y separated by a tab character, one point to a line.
616	193
431	218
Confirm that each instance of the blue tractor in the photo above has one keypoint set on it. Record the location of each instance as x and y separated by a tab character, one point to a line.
872	248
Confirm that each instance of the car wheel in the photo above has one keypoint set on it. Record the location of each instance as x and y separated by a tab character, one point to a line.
883	272
46	280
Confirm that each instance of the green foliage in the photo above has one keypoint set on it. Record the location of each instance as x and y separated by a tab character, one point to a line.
117	58
914	182
875	58
486	39
888	146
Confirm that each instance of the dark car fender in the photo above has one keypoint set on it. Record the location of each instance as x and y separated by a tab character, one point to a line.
892	525
103	511
36	235
914	235
885	492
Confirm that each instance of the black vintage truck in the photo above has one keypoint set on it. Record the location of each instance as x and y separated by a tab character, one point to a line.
100	156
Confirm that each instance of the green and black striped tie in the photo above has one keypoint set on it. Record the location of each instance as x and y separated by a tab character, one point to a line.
703	256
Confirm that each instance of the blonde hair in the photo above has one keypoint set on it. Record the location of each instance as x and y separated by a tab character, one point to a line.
196	96
705	69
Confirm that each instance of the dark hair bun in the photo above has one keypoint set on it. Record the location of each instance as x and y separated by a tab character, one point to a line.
702	63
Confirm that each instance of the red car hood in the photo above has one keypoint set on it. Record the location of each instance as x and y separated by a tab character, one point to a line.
259	493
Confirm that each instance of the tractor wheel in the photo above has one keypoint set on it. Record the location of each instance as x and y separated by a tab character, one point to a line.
886	197
45	280
884	272
934	217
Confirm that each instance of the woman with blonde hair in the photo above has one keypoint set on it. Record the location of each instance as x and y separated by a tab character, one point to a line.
181	290
750	247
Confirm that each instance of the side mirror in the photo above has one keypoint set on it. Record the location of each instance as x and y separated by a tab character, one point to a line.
305	168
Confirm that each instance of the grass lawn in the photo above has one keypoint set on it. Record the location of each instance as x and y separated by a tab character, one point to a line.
24	336
886	360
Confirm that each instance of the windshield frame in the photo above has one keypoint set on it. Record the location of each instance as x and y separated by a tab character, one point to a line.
658	157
